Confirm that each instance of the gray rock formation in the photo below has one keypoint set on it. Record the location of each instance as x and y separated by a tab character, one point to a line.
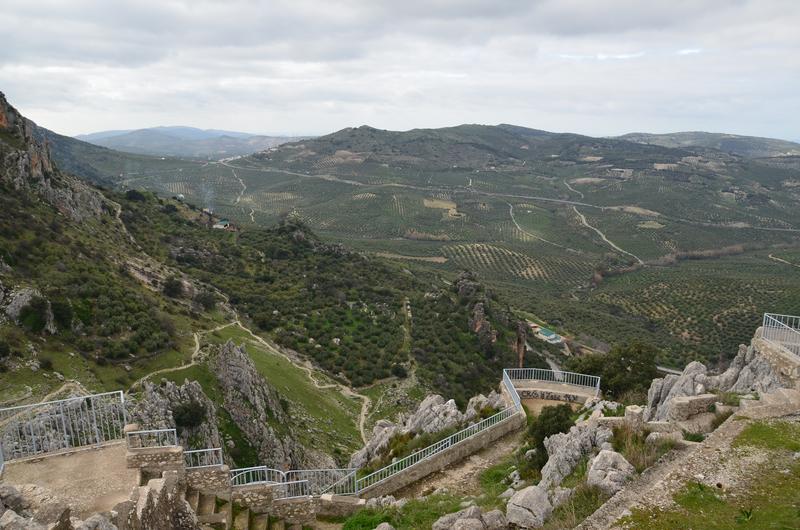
748	372
157	406
434	414
565	450
384	526
256	408
18	299
529	508
609	471
26	165
471	519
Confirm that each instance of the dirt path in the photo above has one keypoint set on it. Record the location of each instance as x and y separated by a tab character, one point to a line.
603	236
241	182
779	260
463	478
570	188
514	220
309	369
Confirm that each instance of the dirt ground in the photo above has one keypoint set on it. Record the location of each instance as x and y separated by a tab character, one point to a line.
462	478
90	480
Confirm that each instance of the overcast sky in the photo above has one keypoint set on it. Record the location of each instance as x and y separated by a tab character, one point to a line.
311	67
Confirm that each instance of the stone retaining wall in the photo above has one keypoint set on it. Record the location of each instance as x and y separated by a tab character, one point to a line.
156	459
211	479
786	364
443	459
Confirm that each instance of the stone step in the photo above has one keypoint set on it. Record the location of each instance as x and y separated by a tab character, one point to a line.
242	520
193	498
277	525
259	522
206	504
225	508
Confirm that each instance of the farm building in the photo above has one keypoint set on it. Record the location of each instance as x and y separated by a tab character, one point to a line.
222	224
549	336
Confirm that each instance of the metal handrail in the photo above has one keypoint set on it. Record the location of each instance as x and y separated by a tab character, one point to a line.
556	376
203	458
782	331
151	438
256	475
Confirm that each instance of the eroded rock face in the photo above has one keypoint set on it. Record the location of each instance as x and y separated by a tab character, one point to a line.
565	450
748	372
609	471
156	409
434	414
472	518
529	508
256	408
26	165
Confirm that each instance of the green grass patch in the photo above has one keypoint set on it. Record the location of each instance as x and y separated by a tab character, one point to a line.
492	481
417	514
770	435
578	474
770	502
583	502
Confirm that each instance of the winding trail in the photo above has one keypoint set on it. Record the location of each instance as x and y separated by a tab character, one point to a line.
570	188
241	182
514	220
603	236
780	260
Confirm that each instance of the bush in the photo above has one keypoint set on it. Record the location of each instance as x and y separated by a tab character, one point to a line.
46	364
206	299
189	414
34	315
135	195
5	350
173	287
399	371
550	421
628	368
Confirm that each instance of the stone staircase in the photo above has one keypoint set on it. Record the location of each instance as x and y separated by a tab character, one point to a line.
781	402
218	513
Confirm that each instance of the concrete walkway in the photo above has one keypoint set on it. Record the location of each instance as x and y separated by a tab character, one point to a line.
89	480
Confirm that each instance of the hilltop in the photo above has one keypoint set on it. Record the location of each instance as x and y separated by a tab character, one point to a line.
184	142
747	146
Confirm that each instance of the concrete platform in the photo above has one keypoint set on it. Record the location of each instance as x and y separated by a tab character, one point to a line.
90	480
522	385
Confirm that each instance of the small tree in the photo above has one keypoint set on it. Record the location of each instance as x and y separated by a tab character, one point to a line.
189	414
173	287
550	421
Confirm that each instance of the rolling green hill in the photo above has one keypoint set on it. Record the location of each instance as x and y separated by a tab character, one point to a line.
747	146
569	228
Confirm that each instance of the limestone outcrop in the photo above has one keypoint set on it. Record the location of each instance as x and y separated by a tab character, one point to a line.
529	507
159	405
434	414
748	372
256	408
609	471
565	450
472	518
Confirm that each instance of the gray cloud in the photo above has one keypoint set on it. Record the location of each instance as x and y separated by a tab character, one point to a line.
307	66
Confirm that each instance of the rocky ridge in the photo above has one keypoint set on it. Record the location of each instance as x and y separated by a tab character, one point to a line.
434	414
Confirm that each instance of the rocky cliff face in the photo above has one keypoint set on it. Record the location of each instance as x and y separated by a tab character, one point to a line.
748	372
256	408
25	164
434	414
159	405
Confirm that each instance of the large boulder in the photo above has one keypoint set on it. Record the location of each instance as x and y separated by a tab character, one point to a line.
566	450
529	508
434	414
691	382
609	471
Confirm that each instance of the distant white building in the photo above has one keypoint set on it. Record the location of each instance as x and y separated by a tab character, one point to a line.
549	336
222	224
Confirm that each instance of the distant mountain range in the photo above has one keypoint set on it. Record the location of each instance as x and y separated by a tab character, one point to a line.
747	146
185	142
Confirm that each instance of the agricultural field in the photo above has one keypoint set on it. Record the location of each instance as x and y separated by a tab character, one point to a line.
591	234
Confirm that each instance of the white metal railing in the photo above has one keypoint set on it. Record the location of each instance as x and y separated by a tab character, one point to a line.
782	331
203	458
335	481
53	426
554	376
290	490
442	445
256	475
151	438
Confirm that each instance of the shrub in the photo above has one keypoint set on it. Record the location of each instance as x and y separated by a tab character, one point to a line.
398	370
34	315
626	368
550	421
135	195
630	442
5	350
46	364
206	299
189	414
173	287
